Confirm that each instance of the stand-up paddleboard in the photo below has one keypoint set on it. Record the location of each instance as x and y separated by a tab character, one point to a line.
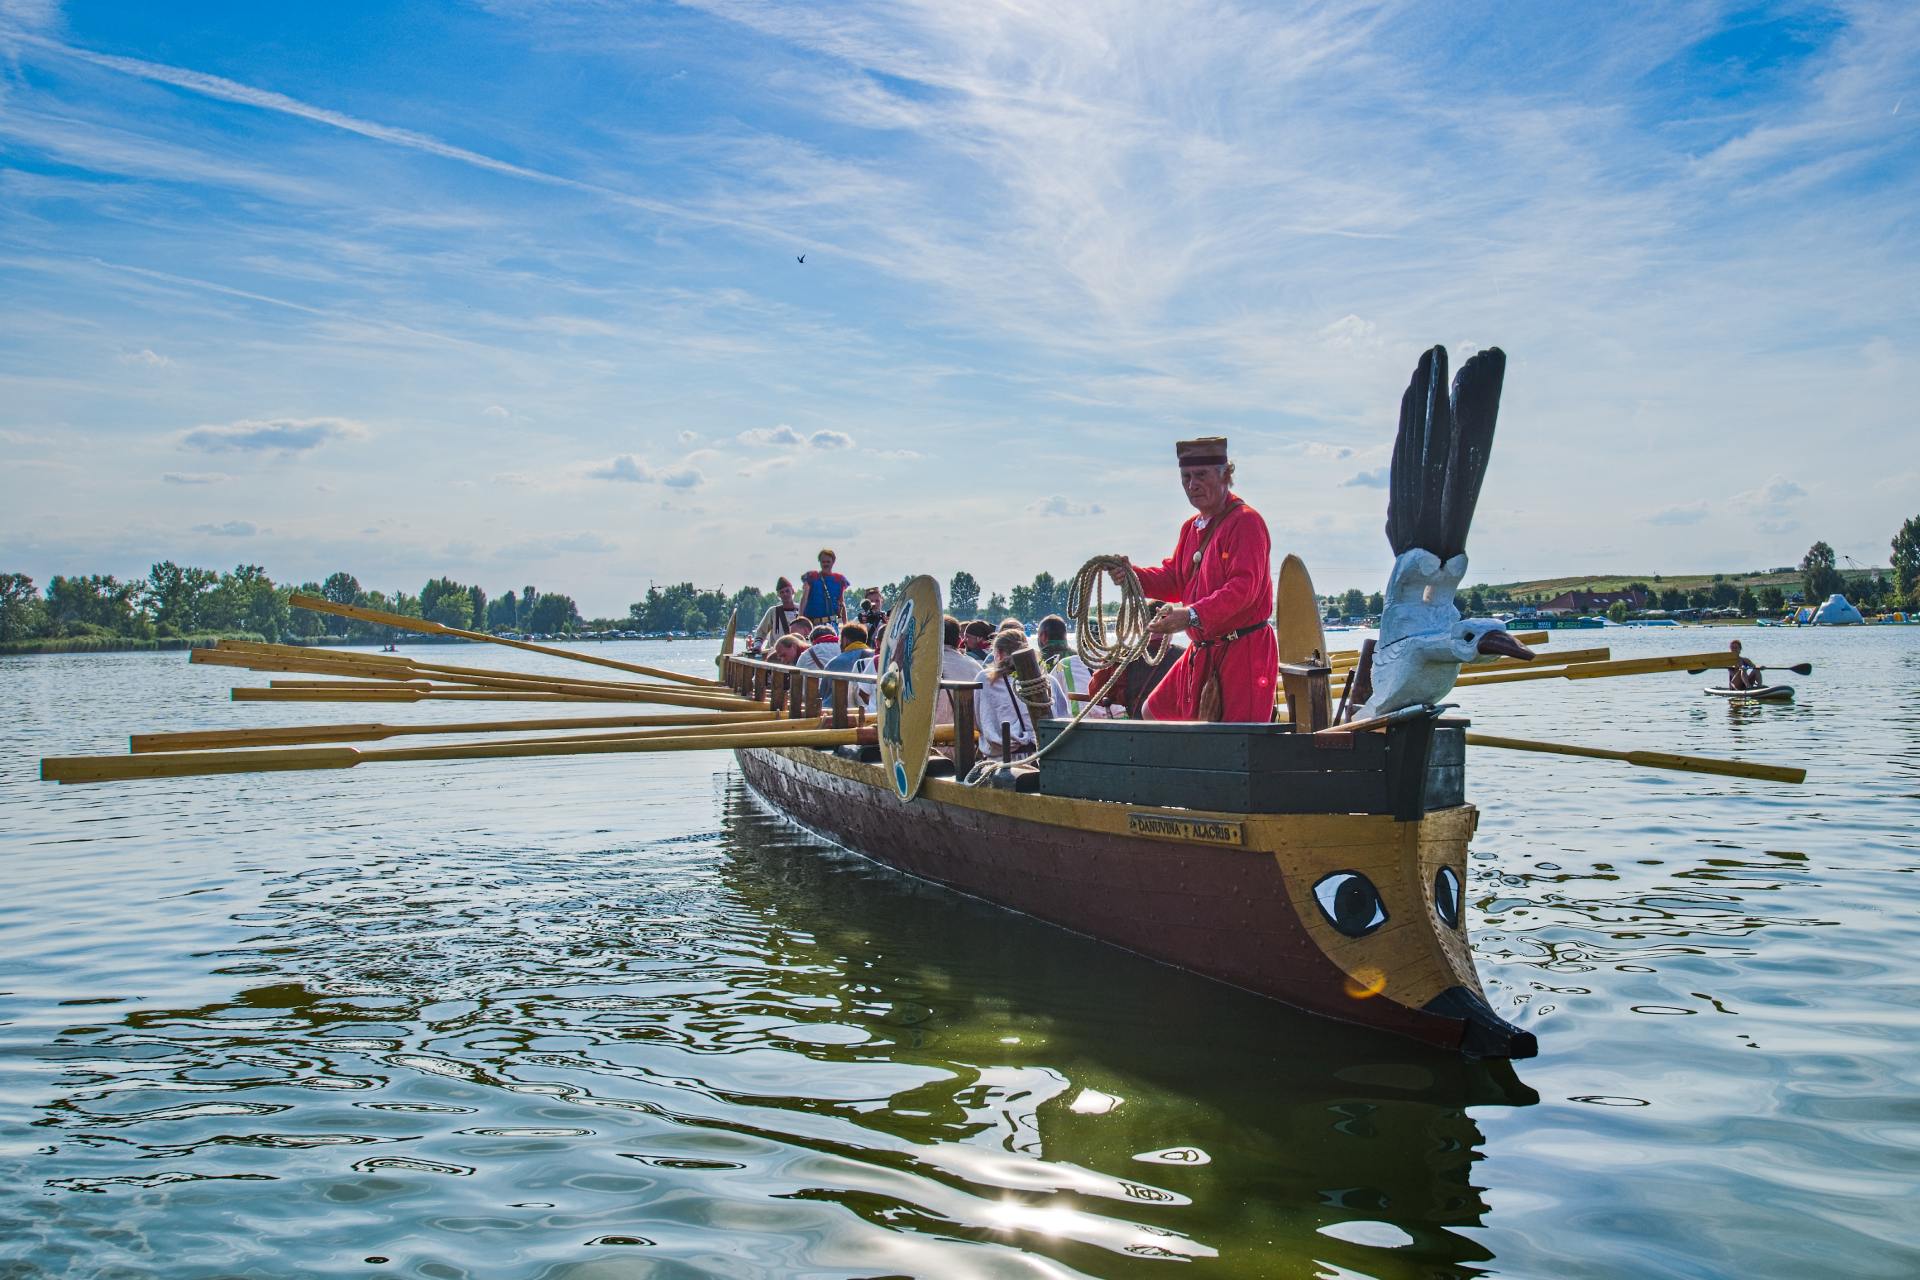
909	684
1296	614
1766	693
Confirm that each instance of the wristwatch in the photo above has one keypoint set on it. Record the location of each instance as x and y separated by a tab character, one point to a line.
1193	618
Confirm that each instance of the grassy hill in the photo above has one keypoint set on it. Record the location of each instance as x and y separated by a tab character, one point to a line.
1787	580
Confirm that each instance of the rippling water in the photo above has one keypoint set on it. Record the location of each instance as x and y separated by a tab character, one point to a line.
609	1017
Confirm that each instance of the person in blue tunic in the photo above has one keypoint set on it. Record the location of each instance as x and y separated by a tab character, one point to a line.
826	591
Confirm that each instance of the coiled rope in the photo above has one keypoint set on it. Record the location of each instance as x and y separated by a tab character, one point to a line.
1086	608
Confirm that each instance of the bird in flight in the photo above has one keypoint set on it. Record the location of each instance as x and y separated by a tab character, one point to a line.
802	259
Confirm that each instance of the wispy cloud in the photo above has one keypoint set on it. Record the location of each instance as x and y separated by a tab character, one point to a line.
630	470
1063	507
1377	478
230	529
146	356
547	547
272	435
194	477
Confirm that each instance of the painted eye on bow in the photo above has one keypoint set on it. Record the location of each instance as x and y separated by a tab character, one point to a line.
1446	897
1350	903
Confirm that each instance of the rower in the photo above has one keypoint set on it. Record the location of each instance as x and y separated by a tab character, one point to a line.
1220	582
1743	674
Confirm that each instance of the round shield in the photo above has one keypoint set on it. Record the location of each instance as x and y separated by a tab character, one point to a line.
909	684
1297	614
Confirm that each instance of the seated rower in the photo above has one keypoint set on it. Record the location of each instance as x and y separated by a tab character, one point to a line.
1743	674
853	648
997	704
824	649
1061	662
976	641
954	665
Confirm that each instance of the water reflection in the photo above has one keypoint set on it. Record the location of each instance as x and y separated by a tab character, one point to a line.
747	1042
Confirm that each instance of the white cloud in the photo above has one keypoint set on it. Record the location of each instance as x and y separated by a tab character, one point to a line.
1321	451
1685	514
194	477
1777	492
497	411
830	440
631	470
686	437
546	547
1378	478
230	529
283	435
146	356
782	436
1059	506
812	530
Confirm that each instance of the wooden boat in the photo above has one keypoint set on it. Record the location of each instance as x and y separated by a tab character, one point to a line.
1325	871
1766	693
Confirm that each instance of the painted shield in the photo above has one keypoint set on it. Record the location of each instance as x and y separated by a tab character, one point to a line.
909	684
1297	613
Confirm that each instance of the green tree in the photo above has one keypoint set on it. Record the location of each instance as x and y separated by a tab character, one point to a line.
246	600
446	602
98	604
504	614
479	610
963	596
1354	603
1476	603
1376	604
340	588
175	598
996	607
1772	599
1748	603
1723	593
1819	579
1046	596
1906	562
1020	603
1617	611
21	615
555	614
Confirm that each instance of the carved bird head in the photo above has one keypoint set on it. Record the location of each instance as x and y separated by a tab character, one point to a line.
1483	640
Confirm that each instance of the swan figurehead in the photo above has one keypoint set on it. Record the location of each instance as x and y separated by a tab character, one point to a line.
1439	459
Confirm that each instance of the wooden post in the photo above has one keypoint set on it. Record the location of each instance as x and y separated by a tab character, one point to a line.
797	696
1309	695
777	690
839	704
966	750
760	675
810	709
1026	665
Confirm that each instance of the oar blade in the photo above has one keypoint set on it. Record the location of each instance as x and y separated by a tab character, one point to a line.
70	770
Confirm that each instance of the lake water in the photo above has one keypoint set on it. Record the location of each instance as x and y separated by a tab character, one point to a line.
606	1016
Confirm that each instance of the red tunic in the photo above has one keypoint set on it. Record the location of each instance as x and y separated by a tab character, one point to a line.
1232	588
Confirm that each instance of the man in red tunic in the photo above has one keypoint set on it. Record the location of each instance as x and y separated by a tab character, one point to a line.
1219	582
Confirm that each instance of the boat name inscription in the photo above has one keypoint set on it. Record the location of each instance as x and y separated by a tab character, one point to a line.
1197	830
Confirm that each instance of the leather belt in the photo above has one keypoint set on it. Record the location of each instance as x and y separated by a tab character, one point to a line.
1231	636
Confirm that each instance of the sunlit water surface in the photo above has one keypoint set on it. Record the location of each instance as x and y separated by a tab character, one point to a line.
607	1016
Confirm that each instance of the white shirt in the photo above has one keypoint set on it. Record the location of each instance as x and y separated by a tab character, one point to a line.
997	702
817	656
954	665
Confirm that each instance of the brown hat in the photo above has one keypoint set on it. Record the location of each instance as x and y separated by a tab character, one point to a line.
1207	451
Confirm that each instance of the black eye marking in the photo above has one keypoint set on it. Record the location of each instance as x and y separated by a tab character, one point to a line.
1446	897
1351	903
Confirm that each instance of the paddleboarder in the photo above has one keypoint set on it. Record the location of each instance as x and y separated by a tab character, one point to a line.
1743	674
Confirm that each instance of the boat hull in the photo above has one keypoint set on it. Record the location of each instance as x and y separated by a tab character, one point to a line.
1242	913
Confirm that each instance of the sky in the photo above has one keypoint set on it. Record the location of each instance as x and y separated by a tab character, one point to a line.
510	290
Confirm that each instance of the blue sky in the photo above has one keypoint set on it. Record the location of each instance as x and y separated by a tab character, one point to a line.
508	290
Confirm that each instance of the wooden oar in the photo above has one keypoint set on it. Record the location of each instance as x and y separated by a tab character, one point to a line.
186	764
1798	668
399	620
401	693
1600	670
1532	639
307	735
1647	759
368	666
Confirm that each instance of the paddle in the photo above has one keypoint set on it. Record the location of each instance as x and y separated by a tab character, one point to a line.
1647	759
1798	668
381	618
307	735
188	764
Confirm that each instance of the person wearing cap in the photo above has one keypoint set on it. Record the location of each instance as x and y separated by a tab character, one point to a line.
976	641
826	591
777	618
1219	587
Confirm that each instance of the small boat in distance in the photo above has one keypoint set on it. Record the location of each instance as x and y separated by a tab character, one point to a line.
1766	693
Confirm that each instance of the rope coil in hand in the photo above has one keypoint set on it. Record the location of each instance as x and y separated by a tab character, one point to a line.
1087	609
